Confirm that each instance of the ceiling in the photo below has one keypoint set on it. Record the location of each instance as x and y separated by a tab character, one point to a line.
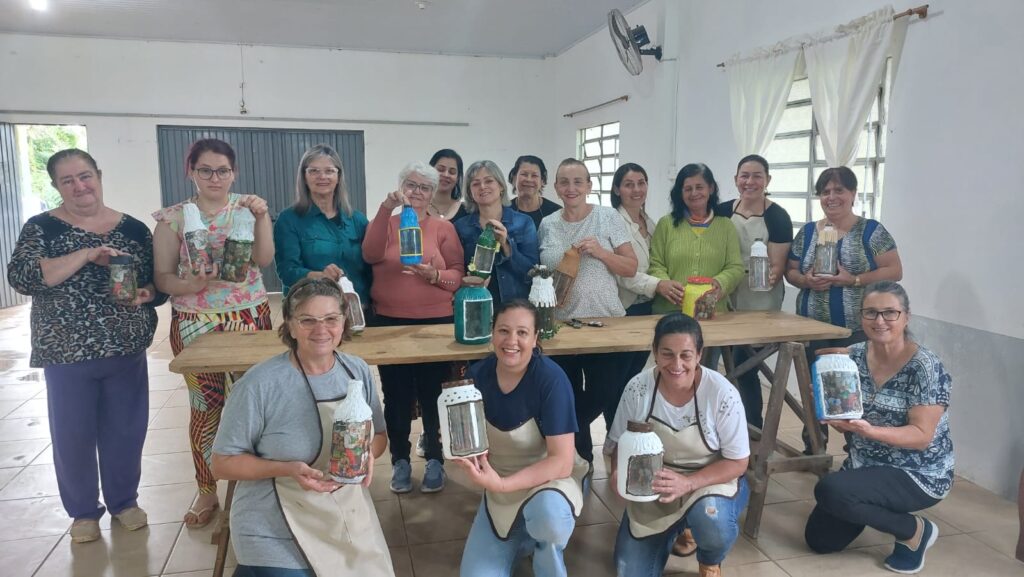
509	28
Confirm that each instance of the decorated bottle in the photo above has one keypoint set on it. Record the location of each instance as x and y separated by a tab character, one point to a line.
474	309
463	426
483	257
354	314
640	457
835	381
123	284
697	300
826	252
196	239
351	435
759	274
238	247
410	237
542	296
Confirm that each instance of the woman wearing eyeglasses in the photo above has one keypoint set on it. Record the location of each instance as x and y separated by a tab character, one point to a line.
413	295
321	235
275	440
900	452
201	302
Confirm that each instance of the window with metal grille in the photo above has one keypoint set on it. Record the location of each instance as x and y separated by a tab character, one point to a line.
797	157
598	148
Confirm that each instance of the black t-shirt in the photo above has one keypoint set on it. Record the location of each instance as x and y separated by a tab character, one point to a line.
780	226
544	393
546	207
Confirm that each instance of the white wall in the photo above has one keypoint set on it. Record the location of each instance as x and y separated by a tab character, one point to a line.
504	101
951	200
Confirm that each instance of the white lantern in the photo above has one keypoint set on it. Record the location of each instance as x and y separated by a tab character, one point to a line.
463	426
640	457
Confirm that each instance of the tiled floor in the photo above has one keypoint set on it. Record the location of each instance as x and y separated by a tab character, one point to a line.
426	532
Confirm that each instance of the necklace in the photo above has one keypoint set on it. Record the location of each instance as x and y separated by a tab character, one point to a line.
440	213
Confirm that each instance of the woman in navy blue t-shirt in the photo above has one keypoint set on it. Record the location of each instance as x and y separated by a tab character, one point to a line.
531	475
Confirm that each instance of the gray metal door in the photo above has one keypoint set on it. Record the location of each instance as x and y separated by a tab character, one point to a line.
268	160
10	211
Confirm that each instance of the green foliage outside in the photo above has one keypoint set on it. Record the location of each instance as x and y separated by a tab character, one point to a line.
43	141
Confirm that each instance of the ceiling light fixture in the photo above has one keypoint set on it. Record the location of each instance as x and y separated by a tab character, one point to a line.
422	4
39	5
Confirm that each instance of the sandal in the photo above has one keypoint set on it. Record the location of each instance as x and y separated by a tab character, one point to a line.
684	545
201	521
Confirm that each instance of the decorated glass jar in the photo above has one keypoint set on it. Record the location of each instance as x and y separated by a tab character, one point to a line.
463	426
474	309
351	435
354	314
238	247
123	284
640	457
698	301
835	380
826	252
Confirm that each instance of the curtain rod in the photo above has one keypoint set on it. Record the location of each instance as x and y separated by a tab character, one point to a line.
622	98
921	11
229	118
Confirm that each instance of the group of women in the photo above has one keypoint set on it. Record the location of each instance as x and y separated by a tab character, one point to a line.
289	520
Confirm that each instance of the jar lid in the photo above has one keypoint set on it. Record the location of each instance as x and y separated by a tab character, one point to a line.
639	427
698	280
461	383
121	259
832	351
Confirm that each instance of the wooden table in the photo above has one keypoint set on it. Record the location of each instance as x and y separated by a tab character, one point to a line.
777	332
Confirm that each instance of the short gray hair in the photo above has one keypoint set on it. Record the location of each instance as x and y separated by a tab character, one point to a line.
496	174
420	168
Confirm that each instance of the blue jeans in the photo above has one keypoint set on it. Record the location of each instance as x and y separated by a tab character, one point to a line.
254	571
714	522
543	529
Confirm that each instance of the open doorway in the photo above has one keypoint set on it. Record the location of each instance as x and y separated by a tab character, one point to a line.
35	144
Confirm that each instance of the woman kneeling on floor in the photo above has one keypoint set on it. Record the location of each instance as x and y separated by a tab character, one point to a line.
900	453
699	418
532	477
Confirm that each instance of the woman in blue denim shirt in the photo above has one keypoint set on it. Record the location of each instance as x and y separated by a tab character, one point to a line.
320	235
488	204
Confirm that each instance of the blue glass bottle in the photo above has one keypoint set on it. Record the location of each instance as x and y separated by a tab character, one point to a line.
410	237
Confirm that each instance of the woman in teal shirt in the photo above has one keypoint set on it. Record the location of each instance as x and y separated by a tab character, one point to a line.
320	235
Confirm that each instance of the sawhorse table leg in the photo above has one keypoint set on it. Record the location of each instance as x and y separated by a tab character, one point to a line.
222	537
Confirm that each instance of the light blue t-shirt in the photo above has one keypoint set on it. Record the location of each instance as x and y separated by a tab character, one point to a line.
269	414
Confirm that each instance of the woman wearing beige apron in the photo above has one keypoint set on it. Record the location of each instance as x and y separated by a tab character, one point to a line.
532	477
755	218
698	416
287	519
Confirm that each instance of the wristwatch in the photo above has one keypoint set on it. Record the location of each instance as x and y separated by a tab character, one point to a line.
856	281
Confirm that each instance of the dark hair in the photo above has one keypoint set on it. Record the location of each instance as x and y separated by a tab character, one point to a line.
753	158
572	162
841	174
208	145
519	303
679	210
299	294
617	180
676	323
58	157
528	159
895	289
449	153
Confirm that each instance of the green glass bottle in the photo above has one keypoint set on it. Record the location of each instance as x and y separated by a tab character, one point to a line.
486	250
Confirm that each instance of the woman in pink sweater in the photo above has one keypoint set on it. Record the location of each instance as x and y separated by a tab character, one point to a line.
413	295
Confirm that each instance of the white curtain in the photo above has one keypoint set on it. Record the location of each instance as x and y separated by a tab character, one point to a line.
844	69
758	89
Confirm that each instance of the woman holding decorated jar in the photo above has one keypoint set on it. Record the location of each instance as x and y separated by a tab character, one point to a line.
531	475
321	235
698	417
446	203
598	236
757	218
863	252
900	452
276	438
528	178
488	206
419	294
90	340
189	249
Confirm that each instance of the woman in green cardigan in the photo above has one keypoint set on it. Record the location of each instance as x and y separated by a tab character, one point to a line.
692	242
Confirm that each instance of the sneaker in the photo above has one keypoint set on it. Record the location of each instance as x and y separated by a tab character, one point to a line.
401	476
421	447
908	561
132	518
85	530
433	478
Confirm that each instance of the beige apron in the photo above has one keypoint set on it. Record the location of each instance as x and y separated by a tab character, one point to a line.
744	299
686	451
338	533
513	451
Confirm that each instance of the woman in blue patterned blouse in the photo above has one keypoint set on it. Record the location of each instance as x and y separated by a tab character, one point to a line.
900	453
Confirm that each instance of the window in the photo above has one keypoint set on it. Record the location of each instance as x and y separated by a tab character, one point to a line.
598	148
797	157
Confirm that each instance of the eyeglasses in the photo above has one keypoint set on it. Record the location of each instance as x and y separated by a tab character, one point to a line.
330	321
411	186
311	171
207	173
887	314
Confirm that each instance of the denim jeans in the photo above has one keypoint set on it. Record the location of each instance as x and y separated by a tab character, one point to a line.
543	529
254	571
713	520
